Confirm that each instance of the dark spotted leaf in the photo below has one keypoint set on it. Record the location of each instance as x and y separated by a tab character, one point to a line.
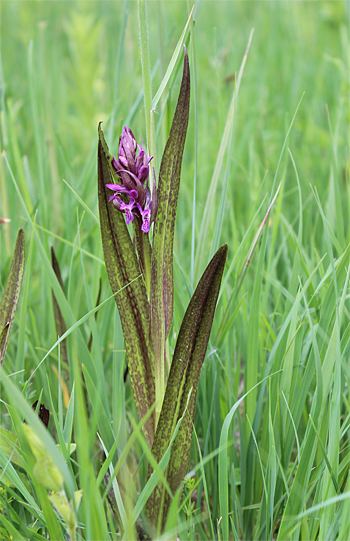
184	375
11	294
124	275
162	286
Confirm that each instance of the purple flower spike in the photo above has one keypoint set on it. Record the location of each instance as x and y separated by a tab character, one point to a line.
143	174
132	169
127	149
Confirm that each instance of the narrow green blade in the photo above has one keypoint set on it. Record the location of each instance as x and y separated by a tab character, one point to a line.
122	268
11	294
172	64
184	375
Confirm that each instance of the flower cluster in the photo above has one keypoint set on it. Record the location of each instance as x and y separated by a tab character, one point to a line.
133	170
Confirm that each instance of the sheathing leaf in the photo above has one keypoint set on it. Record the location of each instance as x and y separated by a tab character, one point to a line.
162	289
184	375
11	294
122	269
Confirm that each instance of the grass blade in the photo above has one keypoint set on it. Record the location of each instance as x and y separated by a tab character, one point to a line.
172	64
209	205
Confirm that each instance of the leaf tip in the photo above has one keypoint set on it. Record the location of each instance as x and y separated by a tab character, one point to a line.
21	235
222	251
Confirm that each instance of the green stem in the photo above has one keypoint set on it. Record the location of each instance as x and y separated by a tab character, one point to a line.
194	78
144	251
119	64
152	147
145	65
5	210
147	82
35	100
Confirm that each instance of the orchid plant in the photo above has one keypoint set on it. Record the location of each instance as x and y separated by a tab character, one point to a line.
141	270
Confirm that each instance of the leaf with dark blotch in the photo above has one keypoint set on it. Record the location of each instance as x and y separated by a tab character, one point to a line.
184	375
59	321
162	287
123	270
11	294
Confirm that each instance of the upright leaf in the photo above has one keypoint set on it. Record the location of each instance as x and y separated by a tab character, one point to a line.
122	269
162	287
11	294
184	375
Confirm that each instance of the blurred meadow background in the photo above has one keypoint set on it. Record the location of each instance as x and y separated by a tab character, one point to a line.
279	466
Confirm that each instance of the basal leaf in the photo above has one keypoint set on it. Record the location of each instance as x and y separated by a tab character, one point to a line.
184	375
11	294
162	288
122	268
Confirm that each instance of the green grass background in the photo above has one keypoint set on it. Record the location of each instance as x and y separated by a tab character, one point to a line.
65	66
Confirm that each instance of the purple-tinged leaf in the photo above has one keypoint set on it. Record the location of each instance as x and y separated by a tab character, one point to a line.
11	294
123	268
162	286
184	375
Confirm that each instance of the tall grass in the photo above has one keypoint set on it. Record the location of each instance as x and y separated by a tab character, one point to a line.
270	454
